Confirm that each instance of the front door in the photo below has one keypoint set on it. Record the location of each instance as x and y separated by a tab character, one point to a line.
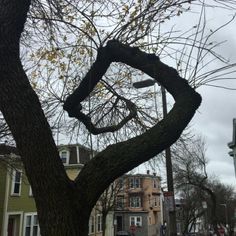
11	226
119	223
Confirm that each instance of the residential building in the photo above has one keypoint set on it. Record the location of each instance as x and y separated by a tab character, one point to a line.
18	214
138	206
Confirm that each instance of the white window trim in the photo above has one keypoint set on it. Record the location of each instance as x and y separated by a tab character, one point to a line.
135	220
92	222
97	223
67	155
13	182
30	191
32	214
14	213
77	154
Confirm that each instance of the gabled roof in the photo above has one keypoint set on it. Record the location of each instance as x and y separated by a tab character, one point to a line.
232	144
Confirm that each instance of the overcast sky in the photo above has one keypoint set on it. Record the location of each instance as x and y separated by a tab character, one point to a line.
214	118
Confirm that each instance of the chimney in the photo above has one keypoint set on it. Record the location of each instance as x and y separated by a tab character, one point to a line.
154	174
148	172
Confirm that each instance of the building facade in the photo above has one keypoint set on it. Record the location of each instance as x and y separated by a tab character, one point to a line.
18	214
138	205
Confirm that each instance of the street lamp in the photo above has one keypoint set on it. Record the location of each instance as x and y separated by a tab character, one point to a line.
169	173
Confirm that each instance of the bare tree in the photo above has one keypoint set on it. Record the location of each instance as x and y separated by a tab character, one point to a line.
191	177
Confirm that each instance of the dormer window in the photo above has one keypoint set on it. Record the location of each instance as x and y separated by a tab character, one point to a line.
64	154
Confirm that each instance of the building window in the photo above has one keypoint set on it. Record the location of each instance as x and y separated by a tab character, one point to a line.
135	202
31	226
155	183
99	223
120	202
16	182
64	156
120	184
91	224
155	201
136	220
134	182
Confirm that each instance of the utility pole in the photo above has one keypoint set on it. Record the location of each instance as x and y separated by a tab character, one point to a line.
170	185
171	228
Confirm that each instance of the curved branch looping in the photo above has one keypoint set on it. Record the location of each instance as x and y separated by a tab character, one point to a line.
115	51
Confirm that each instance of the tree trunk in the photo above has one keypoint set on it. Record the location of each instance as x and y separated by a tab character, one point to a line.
59	211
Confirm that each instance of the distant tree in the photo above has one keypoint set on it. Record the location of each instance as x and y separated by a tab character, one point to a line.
190	208
191	180
107	202
226	203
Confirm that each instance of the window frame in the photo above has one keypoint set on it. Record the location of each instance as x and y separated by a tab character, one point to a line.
67	158
155	201
137	182
137	223
14	182
32	224
92	224
120	184
135	201
120	202
155	184
134	182
99	223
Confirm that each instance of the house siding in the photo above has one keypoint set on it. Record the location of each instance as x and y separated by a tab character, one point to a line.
73	155
139	231
24	201
18	206
84	155
2	192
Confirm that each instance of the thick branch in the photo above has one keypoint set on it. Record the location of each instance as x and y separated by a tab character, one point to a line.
115	51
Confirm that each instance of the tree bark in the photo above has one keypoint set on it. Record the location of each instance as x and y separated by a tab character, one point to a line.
63	205
55	195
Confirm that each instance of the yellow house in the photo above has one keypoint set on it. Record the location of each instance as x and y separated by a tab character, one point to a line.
18	214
